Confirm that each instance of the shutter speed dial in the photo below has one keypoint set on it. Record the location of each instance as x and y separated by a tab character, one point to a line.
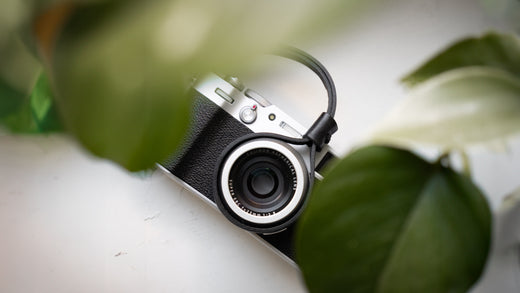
248	114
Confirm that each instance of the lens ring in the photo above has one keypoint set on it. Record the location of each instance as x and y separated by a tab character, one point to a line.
272	212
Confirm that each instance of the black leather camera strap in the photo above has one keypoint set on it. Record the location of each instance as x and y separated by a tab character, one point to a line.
318	68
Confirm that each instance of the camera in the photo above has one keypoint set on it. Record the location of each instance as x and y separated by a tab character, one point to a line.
250	159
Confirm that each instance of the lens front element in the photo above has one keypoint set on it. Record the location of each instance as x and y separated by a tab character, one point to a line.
263	182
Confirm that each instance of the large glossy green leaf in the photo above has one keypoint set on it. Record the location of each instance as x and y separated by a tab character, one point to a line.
384	220
455	109
496	50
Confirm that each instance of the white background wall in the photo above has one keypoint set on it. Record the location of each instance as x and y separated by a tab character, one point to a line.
73	223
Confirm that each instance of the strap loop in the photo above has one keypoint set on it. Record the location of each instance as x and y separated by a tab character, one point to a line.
321	131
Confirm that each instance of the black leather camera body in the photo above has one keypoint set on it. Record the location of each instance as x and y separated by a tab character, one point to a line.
250	159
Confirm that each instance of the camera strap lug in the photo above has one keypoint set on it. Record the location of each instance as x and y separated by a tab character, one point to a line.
321	131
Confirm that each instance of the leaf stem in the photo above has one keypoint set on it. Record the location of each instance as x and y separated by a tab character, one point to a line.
466	167
444	159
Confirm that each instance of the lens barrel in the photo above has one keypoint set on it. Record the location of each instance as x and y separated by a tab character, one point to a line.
262	184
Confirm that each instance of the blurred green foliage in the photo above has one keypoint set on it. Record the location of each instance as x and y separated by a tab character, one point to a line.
119	68
467	94
117	76
456	109
29	113
495	50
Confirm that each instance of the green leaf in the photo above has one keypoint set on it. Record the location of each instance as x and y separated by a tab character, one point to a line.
43	106
120	67
10	99
118	97
384	220
501	51
33	113
457	108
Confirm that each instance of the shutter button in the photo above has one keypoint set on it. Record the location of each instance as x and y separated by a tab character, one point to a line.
248	114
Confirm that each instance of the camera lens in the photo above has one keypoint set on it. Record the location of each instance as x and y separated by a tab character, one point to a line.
262	182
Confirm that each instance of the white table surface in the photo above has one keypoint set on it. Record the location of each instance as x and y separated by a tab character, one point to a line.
73	223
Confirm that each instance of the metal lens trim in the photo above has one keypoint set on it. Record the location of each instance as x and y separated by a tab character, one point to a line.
300	186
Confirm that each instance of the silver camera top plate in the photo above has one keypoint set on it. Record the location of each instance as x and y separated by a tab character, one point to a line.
267	117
